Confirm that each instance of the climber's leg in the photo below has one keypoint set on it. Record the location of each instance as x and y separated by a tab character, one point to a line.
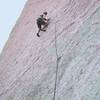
40	29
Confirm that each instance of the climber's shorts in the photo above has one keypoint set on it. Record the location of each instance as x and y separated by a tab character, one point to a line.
41	23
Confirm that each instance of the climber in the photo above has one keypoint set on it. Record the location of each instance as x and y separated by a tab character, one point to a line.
42	21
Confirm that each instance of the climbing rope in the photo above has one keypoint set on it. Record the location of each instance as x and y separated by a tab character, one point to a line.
56	77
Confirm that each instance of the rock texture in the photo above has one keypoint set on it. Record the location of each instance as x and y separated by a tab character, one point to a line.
72	41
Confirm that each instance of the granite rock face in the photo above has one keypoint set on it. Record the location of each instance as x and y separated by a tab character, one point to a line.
72	41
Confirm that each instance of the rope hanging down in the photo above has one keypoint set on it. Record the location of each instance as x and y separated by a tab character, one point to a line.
56	77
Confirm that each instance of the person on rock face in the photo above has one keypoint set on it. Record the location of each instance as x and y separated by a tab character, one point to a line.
42	21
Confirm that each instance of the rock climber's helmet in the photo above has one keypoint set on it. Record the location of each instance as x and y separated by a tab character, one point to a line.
45	13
